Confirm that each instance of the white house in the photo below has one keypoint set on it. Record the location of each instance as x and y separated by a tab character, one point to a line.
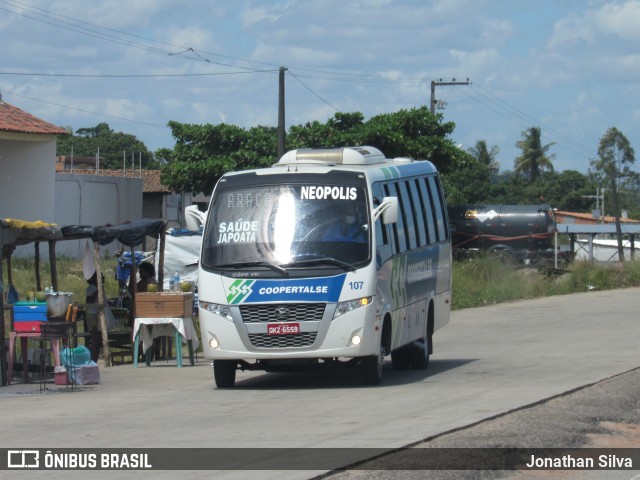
27	165
30	188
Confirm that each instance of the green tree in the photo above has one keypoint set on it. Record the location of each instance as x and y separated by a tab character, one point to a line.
415	133
203	153
615	158
535	157
568	190
344	129
469	183
116	148
486	156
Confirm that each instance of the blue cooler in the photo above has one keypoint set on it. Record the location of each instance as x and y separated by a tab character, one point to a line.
27	316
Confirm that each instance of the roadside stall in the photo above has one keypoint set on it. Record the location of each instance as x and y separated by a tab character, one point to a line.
14	233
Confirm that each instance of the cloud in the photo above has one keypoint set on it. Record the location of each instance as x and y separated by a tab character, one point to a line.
612	22
123	13
192	36
620	20
252	16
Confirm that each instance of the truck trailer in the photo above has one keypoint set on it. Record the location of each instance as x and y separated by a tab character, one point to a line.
521	234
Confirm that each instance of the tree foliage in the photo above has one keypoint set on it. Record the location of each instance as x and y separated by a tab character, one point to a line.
484	155
203	153
115	148
535	157
615	158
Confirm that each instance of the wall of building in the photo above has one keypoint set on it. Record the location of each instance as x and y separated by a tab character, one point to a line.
27	178
94	200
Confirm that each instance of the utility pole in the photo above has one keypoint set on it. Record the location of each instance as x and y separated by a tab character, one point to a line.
440	83
281	132
598	196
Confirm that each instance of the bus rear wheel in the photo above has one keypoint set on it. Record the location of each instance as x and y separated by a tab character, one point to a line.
224	373
401	358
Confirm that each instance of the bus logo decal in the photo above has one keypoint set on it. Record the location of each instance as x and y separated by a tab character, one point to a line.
239	290
325	289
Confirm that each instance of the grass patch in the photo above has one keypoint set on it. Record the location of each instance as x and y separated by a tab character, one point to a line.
70	276
476	282
484	281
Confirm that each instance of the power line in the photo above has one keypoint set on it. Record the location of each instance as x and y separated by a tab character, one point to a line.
516	116
82	27
546	127
76	25
313	93
150	75
85	111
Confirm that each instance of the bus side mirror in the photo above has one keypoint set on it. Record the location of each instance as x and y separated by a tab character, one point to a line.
388	209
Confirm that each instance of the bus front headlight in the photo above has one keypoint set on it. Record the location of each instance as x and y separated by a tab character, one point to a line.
217	309
350	305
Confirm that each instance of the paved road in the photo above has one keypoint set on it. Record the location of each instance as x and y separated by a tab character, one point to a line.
487	361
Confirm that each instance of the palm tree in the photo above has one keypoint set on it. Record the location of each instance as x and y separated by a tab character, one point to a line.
534	156
485	156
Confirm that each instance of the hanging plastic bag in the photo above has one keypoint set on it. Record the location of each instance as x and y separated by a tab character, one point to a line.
12	295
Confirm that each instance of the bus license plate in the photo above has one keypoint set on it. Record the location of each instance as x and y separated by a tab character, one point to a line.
283	328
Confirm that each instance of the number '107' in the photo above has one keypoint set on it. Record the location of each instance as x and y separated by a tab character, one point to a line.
356	285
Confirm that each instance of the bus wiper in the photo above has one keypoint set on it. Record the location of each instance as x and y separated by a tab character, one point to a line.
332	261
260	263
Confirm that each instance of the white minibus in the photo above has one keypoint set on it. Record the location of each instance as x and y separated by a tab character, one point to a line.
330	257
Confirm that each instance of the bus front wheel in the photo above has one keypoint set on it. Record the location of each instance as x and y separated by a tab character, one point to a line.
372	368
224	373
421	351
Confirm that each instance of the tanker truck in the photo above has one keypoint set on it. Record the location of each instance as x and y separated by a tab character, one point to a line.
521	234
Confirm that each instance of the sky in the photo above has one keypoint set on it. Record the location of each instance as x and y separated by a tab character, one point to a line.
570	67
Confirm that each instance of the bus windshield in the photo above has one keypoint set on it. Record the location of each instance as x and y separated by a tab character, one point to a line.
281	227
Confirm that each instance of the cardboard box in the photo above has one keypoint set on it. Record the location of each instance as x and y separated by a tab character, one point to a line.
61	378
164	304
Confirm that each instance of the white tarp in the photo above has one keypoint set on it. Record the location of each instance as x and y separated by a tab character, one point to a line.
181	254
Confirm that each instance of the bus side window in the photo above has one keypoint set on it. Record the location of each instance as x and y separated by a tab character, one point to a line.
418	214
407	215
427	210
443	206
382	236
436	200
390	191
398	228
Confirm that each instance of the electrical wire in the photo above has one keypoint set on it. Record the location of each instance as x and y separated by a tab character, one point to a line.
76	25
86	28
547	128
477	94
516	116
312	92
85	111
149	75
